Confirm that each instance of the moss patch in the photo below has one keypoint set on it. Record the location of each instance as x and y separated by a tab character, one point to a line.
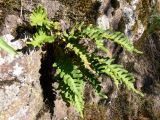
79	10
94	112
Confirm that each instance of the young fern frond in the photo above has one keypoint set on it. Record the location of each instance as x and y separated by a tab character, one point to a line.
39	18
41	38
72	86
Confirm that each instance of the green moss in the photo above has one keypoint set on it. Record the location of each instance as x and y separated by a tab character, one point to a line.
95	112
130	106
123	107
79	10
147	109
144	11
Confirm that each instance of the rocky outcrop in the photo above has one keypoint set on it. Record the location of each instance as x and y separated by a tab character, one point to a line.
135	23
26	82
20	90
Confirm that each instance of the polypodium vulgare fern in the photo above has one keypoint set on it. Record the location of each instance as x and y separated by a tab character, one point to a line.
72	85
116	72
41	38
99	35
74	64
39	18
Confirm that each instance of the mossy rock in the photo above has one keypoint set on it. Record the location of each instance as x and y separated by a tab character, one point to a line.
95	112
78	10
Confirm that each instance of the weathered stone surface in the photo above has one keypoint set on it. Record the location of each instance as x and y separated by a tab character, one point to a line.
20	90
11	23
145	67
134	21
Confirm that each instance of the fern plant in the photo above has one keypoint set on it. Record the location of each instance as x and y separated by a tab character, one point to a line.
74	64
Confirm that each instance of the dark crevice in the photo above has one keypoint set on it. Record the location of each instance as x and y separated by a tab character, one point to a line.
24	32
46	70
115	4
46	79
93	14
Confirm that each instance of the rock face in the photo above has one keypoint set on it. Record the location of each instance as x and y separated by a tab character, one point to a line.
136	24
26	91
20	91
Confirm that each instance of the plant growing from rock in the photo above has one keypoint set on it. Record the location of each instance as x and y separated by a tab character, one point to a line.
75	63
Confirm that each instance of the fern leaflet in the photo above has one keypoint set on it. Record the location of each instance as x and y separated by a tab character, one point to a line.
41	38
117	72
72	86
99	35
39	18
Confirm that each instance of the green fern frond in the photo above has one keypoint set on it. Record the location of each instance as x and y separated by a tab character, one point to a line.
72	43
83	66
122	40
72	38
72	86
99	35
39	17
81	55
41	38
115	71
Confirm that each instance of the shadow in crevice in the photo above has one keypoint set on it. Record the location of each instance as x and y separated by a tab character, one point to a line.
46	79
93	13
23	34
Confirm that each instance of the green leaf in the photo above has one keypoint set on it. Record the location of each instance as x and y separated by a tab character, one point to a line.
7	47
39	17
41	38
116	72
72	85
99	35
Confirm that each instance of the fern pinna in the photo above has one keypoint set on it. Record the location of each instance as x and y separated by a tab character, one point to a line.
74	64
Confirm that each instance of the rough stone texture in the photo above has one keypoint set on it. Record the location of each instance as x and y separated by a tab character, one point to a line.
145	67
11	22
133	20
20	90
109	16
52	7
